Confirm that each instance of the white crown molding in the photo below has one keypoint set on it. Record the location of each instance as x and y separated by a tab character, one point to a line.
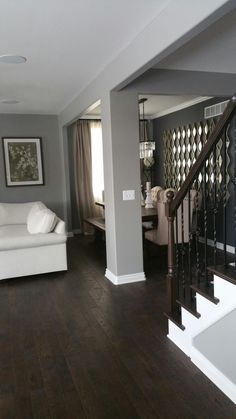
180	106
124	279
91	116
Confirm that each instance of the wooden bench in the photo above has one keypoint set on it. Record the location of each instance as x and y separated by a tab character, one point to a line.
98	223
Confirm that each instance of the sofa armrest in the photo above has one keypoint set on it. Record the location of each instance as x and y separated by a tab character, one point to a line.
60	227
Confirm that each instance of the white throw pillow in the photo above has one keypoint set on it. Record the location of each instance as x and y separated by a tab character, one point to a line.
35	208
41	221
60	227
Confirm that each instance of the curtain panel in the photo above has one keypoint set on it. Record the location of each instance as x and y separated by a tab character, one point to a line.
83	173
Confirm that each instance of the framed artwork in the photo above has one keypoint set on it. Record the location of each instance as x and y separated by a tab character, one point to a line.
23	161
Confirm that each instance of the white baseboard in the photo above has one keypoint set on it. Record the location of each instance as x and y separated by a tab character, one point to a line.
179	343
216	376
73	232
77	231
125	279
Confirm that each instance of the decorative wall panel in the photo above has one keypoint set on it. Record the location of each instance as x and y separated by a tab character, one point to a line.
181	149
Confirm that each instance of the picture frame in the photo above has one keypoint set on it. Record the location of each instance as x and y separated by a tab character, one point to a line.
23	161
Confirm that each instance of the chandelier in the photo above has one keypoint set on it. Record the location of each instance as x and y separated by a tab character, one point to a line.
146	147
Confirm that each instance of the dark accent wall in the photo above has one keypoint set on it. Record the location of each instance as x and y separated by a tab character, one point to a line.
180	118
184	117
46	127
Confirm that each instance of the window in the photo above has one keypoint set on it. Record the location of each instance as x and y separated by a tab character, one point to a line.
97	160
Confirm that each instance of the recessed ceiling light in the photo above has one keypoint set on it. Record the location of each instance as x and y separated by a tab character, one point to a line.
9	101
12	59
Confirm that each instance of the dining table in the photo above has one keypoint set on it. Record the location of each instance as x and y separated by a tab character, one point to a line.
148	214
99	225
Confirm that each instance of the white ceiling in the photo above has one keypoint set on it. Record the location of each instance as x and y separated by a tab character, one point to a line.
211	51
67	44
214	50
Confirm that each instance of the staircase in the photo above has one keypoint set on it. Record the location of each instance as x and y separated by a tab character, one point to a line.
201	279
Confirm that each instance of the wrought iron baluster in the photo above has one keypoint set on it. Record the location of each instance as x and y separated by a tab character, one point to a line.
190	236
224	198
205	220
182	249
197	233
177	248
215	207
233	180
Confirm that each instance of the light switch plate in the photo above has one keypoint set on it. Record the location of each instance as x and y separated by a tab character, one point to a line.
128	195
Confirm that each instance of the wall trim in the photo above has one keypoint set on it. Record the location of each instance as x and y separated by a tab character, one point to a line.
73	232
125	279
214	374
183	105
76	231
219	245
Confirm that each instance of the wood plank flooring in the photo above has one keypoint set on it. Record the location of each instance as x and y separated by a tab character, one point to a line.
74	346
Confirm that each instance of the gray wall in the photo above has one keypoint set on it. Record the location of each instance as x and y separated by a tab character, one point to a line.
45	126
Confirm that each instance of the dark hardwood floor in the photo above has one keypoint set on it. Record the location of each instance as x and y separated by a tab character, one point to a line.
74	346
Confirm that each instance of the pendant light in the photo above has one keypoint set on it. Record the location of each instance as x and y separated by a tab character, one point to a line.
146	147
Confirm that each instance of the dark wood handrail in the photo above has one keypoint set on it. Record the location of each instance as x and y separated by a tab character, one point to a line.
204	154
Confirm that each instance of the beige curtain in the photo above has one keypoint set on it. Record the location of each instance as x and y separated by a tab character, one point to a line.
83	173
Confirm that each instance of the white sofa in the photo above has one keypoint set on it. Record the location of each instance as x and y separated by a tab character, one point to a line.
23	253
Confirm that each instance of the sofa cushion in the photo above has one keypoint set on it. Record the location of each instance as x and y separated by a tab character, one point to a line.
18	237
41	220
14	213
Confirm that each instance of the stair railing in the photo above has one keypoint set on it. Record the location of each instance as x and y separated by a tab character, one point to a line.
182	270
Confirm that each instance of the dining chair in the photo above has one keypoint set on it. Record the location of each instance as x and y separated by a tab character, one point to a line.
159	235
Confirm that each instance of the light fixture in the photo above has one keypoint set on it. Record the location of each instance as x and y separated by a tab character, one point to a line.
12	59
9	101
146	147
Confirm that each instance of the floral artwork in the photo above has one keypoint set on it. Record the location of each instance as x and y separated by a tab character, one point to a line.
23	162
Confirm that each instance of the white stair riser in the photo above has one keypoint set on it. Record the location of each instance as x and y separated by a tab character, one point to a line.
210	314
204	306
179	337
225	291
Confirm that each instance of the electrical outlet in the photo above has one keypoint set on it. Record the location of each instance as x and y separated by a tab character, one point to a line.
128	195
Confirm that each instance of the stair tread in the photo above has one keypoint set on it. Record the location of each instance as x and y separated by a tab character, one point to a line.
189	304
176	319
206	290
226	272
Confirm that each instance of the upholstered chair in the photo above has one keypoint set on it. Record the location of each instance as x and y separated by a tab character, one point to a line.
159	235
149	225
